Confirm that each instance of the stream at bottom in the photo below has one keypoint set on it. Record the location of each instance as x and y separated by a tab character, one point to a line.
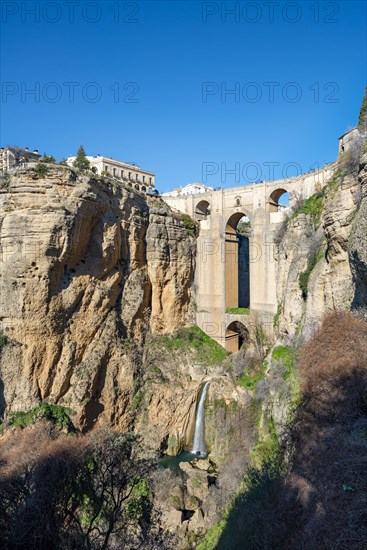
173	462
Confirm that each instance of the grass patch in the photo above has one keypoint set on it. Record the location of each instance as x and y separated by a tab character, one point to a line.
41	170
190	225
248	381
207	350
312	207
277	316
238	310
213	535
334	184
286	356
137	401
60	416
304	277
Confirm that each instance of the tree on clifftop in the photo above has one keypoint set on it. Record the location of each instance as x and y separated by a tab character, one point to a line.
81	162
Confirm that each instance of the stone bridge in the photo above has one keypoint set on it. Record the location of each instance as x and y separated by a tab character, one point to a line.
234	271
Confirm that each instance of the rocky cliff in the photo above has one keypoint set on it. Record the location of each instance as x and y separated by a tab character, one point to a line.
88	269
96	289
321	250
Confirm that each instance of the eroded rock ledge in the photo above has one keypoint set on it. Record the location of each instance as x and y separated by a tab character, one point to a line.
88	268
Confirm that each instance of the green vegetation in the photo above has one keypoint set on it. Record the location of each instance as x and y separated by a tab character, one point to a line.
277	316
304	277
258	481
157	372
268	511
238	310
48	159
213	535
286	356
248	381
81	162
3	340
313	207
207	351
334	184
172	445
40	170
232	406
60	416
362	120
137	401
244	228
266	452
190	225
93	491
4	181
140	498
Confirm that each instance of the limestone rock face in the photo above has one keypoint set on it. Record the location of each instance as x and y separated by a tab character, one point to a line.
358	241
88	268
338	279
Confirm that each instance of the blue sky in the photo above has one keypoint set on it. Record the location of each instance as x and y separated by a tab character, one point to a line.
149	82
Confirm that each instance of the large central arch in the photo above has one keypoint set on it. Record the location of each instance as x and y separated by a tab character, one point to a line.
237	250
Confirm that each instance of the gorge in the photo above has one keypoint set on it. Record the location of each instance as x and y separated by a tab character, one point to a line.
102	323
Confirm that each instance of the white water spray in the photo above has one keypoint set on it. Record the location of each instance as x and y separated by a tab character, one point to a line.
198	447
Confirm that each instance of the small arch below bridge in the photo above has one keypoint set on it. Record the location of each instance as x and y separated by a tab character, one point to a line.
236	335
202	210
237	259
278	200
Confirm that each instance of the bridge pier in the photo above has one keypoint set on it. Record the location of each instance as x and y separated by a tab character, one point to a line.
216	276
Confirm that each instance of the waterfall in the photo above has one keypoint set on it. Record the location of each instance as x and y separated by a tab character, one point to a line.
198	447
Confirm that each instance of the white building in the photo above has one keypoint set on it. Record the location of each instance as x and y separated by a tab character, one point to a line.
189	189
346	140
133	174
15	157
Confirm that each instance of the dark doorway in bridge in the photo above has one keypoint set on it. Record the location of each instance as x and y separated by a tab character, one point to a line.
236	336
202	210
278	200
237	257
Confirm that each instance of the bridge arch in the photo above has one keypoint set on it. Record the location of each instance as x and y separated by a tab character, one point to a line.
279	199
237	261
236	335
202	210
234	219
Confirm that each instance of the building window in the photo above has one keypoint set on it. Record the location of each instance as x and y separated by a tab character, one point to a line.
114	171
137	177
150	181
143	179
106	168
129	175
122	173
